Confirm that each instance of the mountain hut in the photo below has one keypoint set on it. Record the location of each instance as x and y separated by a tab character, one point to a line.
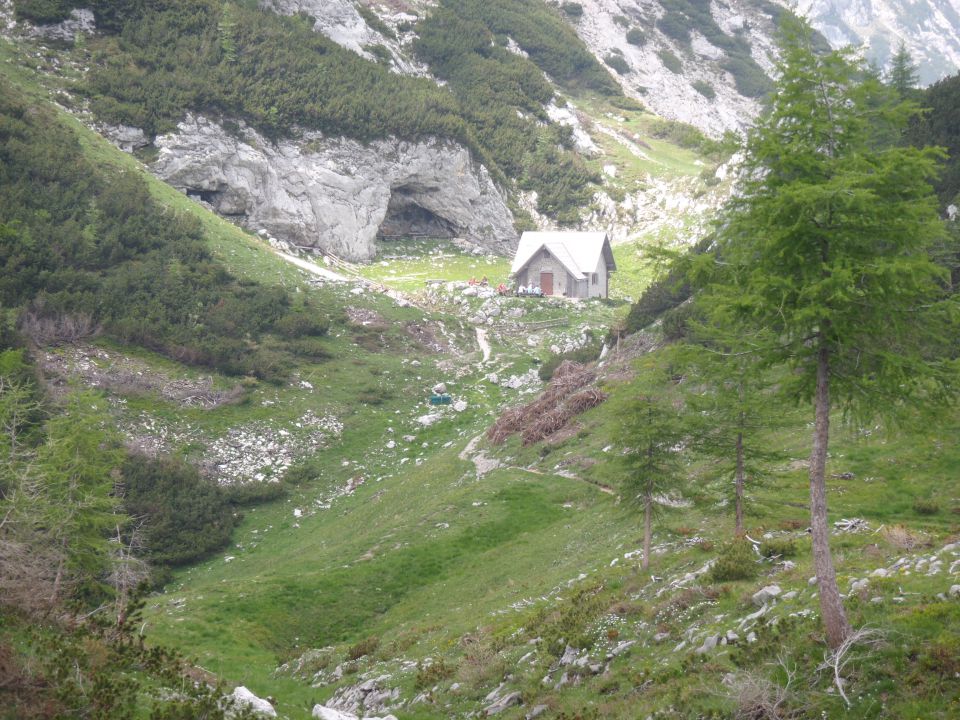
564	264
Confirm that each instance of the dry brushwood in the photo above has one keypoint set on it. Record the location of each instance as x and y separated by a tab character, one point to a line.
545	426
46	330
510	422
759	698
836	661
585	399
553	409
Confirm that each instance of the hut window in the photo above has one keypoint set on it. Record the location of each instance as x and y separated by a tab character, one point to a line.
594	279
546	253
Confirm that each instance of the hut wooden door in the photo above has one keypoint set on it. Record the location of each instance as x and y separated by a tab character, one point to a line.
546	283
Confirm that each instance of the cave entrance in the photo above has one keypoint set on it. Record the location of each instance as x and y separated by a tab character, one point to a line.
406	218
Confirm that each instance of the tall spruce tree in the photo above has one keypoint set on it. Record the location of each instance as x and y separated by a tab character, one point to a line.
826	248
903	72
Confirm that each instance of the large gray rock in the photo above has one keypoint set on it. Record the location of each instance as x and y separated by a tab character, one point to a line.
335	193
766	594
503	703
324	713
242	697
81	21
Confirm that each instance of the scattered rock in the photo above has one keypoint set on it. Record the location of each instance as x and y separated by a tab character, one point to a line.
460	405
954	591
324	713
766	594
244	698
503	703
536	712
623	647
569	656
708	644
367	696
440	388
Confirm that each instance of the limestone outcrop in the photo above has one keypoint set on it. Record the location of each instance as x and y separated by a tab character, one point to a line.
335	193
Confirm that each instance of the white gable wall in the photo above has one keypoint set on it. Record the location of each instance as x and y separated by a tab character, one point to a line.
564	284
600	287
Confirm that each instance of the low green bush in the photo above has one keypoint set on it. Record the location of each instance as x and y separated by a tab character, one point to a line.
779	547
186	516
736	561
254	493
704	88
636	36
670	61
364	647
925	507
617	63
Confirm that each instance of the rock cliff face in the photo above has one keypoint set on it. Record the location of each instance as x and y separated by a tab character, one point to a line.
929	28
336	194
672	93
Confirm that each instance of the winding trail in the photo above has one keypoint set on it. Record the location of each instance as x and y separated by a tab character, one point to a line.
484	345
312	268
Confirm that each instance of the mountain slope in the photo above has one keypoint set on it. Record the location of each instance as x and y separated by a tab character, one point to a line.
703	64
930	30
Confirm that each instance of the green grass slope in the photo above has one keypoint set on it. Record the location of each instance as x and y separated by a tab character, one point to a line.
475	568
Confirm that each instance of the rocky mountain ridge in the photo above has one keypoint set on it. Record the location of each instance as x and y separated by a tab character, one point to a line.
930	30
682	79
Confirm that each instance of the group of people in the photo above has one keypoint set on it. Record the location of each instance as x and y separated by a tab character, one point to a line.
530	290
502	289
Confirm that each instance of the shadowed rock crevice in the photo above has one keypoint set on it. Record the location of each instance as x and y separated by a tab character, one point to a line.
408	215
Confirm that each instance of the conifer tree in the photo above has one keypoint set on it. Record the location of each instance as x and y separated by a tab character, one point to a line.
653	429
728	393
825	247
903	72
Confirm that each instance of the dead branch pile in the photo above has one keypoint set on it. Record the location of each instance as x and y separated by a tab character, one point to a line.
585	399
45	330
566	396
510	422
545	425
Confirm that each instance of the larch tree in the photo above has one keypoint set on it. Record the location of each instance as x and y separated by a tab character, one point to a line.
653	431
825	247
903	72
728	391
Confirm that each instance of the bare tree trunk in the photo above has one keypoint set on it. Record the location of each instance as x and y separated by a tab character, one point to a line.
647	528
648	511
55	594
831	606
739	484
